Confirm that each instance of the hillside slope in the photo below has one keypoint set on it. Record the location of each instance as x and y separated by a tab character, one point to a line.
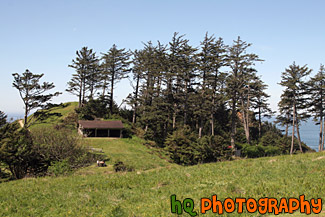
54	115
99	191
92	192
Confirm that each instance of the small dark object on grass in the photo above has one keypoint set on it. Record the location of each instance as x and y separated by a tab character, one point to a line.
101	163
120	166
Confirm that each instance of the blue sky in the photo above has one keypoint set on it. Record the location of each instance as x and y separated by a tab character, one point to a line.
43	36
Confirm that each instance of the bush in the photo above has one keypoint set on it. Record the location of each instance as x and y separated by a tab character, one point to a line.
269	139
252	151
272	151
215	148
119	166
183	147
62	145
59	168
19	153
127	132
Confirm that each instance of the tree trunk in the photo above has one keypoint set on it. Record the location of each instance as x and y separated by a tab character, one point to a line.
111	95
80	93
212	125
287	129
245	120
104	87
320	133
293	128
26	116
233	122
174	120
247	117
298	133
259	122
83	92
323	136
136	100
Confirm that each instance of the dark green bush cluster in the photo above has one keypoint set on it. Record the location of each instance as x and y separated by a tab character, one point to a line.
185	148
19	153
119	166
253	151
271	144
41	151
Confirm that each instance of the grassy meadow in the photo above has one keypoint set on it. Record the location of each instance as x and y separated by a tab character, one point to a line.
94	191
146	191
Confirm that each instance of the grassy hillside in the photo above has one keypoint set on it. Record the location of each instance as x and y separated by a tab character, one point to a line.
54	115
96	191
99	191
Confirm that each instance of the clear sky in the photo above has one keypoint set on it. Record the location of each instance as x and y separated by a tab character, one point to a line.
43	35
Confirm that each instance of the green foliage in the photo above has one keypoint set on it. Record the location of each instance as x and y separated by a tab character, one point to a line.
183	147
186	149
127	131
86	77
32	92
252	151
215	148
115	67
272	151
58	168
269	139
26	153
94	108
60	145
3	119
18	151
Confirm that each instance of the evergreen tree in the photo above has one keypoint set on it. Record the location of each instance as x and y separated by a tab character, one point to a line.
295	96
285	112
115	67
238	61
174	75
316	90
32	92
211	59
3	119
86	66
260	104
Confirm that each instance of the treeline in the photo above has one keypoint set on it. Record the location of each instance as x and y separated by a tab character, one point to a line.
212	89
303	97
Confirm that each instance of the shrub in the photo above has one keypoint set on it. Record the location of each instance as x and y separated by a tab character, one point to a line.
215	148
59	168
269	139
19	153
252	151
62	144
127	132
272	150
119	166
183	147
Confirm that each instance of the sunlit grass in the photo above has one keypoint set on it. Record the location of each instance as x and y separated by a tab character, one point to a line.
100	191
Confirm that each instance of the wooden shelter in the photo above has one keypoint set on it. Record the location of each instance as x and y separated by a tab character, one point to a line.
100	128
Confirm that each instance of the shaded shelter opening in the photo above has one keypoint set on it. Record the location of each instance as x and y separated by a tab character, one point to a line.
101	128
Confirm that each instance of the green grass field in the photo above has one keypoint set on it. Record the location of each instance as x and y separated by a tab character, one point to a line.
99	191
95	191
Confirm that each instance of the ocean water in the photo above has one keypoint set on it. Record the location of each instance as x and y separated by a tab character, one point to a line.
309	133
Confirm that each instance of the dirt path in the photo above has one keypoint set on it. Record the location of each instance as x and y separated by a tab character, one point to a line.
21	123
